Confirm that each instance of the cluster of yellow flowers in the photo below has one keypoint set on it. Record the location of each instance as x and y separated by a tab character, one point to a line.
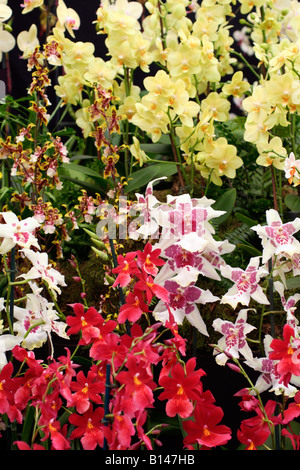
191	45
275	99
192	56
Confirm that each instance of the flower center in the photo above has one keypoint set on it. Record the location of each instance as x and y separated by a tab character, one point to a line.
206	431
136	380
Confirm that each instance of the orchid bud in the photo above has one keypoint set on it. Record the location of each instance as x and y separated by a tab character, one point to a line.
228	354
91	234
109	279
99	243
72	263
101	254
76	279
234	367
7	27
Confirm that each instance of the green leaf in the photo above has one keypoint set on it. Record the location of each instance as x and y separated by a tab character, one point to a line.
292	201
226	203
246	220
28	424
82	157
159	148
293	282
142	177
249	249
91	234
5	192
84	177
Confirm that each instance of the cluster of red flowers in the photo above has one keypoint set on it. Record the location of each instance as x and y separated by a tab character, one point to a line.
51	388
105	402
137	269
260	428
287	352
70	401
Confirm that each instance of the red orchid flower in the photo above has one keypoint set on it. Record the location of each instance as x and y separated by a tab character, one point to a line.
148	260
206	430
133	308
127	266
287	352
181	389
89	428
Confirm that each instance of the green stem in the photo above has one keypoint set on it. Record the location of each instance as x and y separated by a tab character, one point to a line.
208	183
53	298
38	323
274	188
262	12
257	394
163	161
292	133
177	155
279	192
127	83
240	56
260	331
9	295
163	24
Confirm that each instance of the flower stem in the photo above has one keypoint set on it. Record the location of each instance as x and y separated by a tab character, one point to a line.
241	56
274	188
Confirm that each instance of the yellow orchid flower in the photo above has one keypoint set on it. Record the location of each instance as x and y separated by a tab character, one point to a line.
29	5
237	87
272	153
67	18
218	105
138	153
27	41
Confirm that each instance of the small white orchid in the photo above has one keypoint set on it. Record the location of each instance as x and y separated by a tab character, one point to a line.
17	232
41	269
7	40
147	206
233	341
242	38
37	321
269	379
292	169
5	11
289	304
277	238
246	284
